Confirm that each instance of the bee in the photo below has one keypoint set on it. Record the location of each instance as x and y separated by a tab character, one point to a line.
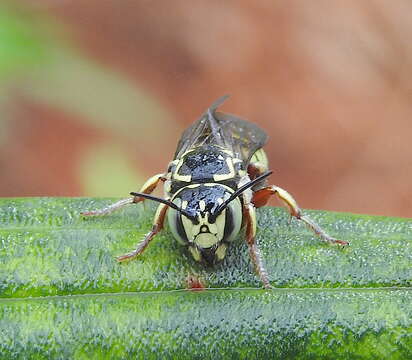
216	180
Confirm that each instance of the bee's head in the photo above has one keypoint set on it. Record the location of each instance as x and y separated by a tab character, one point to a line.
205	224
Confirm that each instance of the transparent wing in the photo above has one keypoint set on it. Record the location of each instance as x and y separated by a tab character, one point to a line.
225	130
246	137
205	130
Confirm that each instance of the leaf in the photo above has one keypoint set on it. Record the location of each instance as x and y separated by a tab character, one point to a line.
62	294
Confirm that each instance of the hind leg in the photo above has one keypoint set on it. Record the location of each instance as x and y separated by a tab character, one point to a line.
261	196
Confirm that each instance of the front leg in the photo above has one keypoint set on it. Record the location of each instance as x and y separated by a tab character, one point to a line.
260	198
250	220
158	223
147	188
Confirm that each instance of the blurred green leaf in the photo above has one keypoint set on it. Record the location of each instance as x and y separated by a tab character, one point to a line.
23	41
100	168
104	98
24	46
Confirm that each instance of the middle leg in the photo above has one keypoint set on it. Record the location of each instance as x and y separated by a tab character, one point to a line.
250	219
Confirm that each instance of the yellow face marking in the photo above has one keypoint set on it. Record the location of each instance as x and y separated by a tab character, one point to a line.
220	224
196	229
205	240
167	187
189	227
178	177
221	251
227	152
184	178
260	157
184	204
230	175
193	186
205	234
195	253
202	205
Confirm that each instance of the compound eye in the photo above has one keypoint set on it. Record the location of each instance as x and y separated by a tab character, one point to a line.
176	224
233	219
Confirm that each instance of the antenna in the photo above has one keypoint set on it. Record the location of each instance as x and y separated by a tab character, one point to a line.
166	202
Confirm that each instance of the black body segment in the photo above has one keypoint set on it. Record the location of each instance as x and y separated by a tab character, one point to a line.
206	164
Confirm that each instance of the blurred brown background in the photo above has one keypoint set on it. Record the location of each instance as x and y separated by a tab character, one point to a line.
94	94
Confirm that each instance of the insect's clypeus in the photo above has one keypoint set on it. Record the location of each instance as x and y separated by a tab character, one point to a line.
215	181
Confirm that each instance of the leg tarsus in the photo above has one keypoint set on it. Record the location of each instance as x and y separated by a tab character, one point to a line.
320	232
260	269
250	218
109	209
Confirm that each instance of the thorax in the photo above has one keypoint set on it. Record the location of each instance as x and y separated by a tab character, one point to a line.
205	164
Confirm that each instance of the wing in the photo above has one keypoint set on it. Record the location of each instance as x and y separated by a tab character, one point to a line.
205	130
247	138
225	130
